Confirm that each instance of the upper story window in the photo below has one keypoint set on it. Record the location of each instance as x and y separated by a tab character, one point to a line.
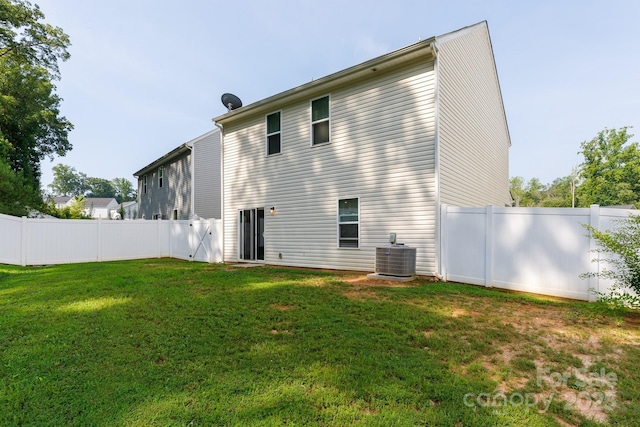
348	223
274	126
144	184
160	176
320	122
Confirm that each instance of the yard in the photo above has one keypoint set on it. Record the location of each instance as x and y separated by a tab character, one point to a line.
167	342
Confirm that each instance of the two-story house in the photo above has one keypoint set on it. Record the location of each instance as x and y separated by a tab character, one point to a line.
322	174
184	182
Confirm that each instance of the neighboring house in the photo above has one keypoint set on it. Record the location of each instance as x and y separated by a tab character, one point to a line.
95	207
130	210
320	175
61	201
184	182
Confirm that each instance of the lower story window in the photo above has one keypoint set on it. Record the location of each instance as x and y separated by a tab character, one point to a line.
348	223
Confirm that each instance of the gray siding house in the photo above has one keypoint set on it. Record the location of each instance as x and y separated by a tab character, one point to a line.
184	182
320	175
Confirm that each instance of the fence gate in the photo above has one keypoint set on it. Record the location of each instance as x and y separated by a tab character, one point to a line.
200	241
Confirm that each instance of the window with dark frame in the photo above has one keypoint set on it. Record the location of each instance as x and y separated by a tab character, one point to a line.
160	176
320	123
274	145
348	223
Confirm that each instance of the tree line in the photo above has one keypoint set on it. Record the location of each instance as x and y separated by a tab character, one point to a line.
69	182
608	176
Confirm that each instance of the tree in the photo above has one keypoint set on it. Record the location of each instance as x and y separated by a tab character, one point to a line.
100	187
16	196
67	181
611	170
124	190
516	187
558	193
31	125
26	39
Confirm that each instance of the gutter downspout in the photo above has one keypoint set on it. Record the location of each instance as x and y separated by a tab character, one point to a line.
436	136
219	126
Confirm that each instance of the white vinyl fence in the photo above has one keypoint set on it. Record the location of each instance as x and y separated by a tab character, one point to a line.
25	241
539	250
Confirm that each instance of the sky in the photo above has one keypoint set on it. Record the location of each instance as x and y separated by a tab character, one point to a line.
146	75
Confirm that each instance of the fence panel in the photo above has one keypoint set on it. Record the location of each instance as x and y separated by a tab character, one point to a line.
539	250
11	239
25	241
54	241
130	240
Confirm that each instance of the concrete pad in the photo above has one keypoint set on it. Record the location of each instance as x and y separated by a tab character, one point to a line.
394	278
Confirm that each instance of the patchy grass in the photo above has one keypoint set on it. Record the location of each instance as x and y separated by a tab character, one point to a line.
166	342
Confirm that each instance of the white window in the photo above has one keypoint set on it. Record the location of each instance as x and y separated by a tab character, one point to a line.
320	122
144	184
274	125
348	223
160	176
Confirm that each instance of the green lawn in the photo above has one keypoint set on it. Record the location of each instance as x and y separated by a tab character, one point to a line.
166	342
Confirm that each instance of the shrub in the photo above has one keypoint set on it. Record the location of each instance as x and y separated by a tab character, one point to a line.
622	248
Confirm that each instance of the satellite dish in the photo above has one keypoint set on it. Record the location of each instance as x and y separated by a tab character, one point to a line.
231	101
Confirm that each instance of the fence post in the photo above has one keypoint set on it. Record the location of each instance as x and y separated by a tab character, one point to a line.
23	248
159	230
99	248
444	259
488	246
171	226
594	267
212	223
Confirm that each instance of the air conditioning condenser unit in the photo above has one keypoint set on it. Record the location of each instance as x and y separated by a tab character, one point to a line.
395	260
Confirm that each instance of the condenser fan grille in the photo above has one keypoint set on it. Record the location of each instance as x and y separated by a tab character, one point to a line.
396	260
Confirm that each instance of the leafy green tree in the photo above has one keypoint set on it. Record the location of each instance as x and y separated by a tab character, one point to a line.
516	187
558	193
16	196
26	39
31	125
67	181
100	187
124	190
611	169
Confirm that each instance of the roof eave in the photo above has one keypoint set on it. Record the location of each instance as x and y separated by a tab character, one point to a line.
405	54
164	159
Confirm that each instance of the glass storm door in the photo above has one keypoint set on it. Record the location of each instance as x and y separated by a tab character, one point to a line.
251	234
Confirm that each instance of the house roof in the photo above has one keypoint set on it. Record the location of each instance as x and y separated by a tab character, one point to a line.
99	202
344	77
182	148
61	200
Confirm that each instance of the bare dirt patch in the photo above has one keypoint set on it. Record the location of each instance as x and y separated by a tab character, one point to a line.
282	307
568	354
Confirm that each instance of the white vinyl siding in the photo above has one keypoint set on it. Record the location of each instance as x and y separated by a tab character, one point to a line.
207	178
382	149
472	133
